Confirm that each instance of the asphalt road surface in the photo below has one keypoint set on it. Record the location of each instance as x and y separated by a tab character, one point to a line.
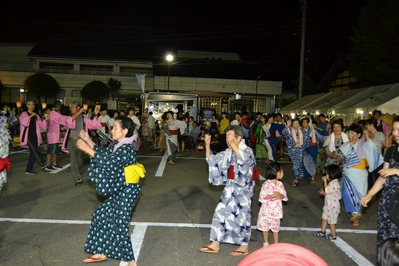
44	219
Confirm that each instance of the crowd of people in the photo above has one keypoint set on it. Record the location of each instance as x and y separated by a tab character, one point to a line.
351	152
356	162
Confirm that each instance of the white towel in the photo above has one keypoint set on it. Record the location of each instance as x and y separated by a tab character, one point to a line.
330	141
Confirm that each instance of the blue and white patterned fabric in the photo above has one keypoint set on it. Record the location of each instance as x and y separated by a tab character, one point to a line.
109	229
296	153
354	185
231	221
4	149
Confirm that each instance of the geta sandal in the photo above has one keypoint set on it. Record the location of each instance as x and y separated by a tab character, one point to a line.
238	253
92	259
207	249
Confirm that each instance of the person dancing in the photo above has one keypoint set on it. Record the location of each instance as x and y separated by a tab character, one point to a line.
109	230
233	168
297	140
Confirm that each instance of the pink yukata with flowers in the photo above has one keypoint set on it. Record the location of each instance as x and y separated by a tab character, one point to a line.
271	211
332	207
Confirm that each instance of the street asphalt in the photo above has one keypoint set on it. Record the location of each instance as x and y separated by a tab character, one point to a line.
44	219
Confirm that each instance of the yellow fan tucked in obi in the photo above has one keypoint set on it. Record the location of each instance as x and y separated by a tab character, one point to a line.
133	173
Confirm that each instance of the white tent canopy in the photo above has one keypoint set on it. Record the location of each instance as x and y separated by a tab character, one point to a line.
349	104
359	101
384	99
333	99
298	105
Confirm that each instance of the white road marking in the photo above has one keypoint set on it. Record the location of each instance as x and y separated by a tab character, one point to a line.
351	252
137	238
149	156
141	228
190	225
161	166
59	170
188	158
22	151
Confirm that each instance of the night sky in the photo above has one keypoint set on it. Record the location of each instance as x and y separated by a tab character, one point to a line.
263	32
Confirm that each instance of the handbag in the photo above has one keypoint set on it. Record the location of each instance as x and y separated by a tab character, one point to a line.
394	208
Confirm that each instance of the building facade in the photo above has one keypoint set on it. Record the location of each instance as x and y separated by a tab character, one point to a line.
72	74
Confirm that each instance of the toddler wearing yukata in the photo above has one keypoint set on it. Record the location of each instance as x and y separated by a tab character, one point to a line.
271	196
332	207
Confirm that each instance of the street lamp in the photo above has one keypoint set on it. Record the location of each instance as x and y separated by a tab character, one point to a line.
169	58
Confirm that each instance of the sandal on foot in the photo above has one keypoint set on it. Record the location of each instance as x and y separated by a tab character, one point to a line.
320	234
356	218
312	181
295	183
238	253
207	249
331	237
356	224
93	259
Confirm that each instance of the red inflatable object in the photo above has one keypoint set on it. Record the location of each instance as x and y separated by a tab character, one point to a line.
283	254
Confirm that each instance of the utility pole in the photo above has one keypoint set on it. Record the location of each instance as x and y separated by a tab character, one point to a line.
302	63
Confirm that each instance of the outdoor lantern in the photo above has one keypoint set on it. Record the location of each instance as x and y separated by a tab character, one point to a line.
19	104
44	105
85	106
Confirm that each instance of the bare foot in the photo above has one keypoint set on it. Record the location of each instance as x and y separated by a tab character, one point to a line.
132	263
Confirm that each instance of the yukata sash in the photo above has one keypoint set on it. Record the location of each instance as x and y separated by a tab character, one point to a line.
171	137
364	149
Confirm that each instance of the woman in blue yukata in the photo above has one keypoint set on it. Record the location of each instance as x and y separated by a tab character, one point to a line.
109	229
297	140
358	155
310	153
233	168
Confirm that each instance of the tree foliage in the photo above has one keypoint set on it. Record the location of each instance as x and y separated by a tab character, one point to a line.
114	86
95	90
374	57
41	84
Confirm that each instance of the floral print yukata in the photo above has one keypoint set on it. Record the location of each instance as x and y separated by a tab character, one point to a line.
332	207
271	210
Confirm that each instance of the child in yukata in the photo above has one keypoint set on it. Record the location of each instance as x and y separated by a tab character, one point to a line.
332	207
271	196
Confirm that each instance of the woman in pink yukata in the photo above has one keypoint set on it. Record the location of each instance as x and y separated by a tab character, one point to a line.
332	207
271	196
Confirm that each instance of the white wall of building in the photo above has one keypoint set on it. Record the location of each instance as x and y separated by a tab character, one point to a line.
218	85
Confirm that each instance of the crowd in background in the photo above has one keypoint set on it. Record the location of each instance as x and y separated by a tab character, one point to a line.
310	143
